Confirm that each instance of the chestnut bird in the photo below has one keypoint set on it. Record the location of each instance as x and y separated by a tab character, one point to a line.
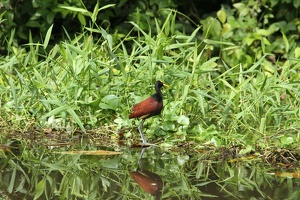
148	108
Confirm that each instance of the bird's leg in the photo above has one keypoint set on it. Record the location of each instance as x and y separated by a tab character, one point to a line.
140	127
140	158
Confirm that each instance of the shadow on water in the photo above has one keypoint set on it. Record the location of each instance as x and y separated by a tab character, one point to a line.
35	171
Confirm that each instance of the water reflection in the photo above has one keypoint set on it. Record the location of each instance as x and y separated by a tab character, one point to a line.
149	181
35	171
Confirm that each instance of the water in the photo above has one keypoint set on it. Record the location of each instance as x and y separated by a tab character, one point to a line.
30	170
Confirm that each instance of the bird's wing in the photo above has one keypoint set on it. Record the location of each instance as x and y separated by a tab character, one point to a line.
144	108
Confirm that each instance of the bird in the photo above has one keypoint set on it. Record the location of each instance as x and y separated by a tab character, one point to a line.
149	107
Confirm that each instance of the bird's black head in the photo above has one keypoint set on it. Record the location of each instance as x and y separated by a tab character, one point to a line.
159	84
158	95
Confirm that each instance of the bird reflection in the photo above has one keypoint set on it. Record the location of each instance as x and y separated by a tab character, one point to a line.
149	181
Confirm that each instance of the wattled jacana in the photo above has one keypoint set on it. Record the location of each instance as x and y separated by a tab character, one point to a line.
148	108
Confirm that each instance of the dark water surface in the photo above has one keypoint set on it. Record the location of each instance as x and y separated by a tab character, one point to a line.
35	171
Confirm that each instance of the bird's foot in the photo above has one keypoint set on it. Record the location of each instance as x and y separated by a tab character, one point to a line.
144	144
147	144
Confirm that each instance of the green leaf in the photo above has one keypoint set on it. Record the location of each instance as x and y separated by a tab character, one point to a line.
286	42
33	24
110	101
13	90
12	181
226	28
169	126
173	22
76	118
40	188
248	149
221	14
95	12
108	37
257	64
47	38
287	140
263	32
39	78
183	120
74	9
262	125
297	52
166	25
242	8
50	17
211	63
56	111
296	3
193	35
81	19
107	6
208	41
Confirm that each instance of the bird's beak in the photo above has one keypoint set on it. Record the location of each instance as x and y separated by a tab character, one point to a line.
166	85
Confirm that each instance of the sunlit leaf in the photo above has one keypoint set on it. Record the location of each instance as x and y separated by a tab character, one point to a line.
75	9
56	111
95	12
106	6
48	36
183	120
226	28
287	140
221	14
242	8
297	52
40	188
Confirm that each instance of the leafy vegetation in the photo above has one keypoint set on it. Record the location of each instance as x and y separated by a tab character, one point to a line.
70	71
233	76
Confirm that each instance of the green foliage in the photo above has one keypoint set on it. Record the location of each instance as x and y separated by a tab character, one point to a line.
21	20
233	80
255	68
253	36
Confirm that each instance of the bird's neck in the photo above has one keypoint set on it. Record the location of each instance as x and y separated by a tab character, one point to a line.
158	95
